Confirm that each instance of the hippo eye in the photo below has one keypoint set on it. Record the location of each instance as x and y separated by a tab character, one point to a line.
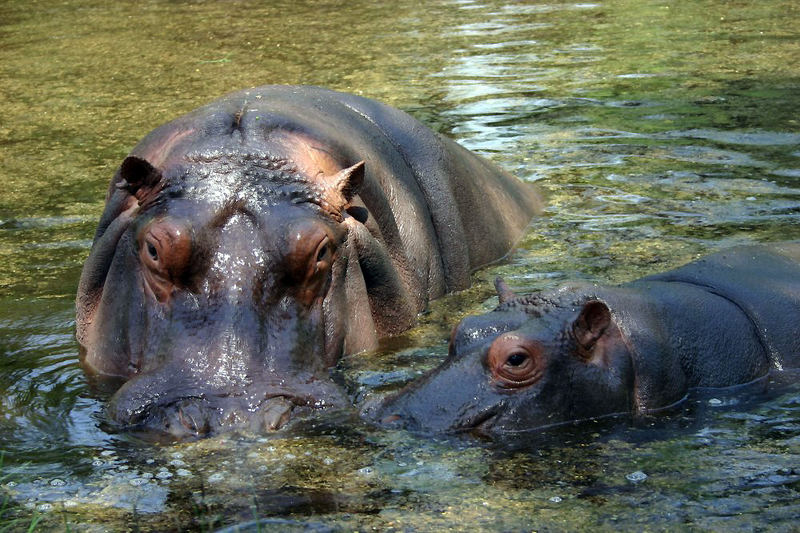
165	249
311	252
324	251
151	249
515	361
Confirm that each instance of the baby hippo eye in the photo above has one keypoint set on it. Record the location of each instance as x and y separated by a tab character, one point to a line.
515	361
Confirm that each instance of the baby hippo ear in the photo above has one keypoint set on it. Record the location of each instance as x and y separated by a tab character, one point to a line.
591	325
138	177
504	292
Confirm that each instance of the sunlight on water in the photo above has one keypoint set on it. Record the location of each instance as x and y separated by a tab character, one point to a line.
658	131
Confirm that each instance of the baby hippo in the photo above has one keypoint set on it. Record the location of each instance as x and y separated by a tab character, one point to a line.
583	351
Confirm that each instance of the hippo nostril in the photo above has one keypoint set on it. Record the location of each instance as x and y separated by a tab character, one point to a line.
192	417
390	419
275	412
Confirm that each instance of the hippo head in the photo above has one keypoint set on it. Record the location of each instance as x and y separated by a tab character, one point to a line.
218	288
534	361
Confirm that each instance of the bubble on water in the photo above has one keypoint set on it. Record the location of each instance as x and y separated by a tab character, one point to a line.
182	472
57	482
636	477
137	481
177	462
150	461
714	401
107	453
289	456
216	477
327	461
555	499
44	507
11	484
366	471
147	475
164	474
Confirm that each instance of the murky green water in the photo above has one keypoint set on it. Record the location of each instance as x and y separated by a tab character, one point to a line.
659	130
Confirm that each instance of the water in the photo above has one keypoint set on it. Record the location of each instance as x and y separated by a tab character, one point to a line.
659	131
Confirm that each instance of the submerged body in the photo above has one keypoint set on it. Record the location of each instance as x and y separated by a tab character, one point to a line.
249	244
584	351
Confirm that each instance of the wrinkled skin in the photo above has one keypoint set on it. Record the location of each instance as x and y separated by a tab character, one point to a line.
585	351
249	244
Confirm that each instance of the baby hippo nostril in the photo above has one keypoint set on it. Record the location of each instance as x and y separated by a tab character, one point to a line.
275	412
390	419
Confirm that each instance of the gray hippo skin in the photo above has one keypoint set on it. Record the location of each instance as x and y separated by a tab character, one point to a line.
247	245
584	351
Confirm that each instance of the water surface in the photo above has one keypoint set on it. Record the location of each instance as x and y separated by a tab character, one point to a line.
659	131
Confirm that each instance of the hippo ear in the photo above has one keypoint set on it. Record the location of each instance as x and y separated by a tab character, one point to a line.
348	181
591	324
138	177
504	293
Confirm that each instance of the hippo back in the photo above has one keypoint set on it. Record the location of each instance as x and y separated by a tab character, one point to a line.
764	283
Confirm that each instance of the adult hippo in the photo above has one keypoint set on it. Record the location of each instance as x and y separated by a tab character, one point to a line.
246	246
583	351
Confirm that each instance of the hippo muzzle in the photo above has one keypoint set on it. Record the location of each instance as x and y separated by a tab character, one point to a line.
162	405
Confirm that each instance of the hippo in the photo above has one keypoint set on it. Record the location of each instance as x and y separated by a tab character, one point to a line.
246	246
584	351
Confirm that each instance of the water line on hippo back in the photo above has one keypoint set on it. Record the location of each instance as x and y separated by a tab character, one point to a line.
249	244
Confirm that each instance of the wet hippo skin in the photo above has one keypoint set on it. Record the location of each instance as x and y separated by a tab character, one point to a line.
246	246
583	351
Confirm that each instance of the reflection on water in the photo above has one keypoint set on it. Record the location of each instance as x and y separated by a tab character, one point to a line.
659	131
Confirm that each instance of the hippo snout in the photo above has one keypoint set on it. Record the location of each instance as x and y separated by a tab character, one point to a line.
146	406
197	417
379	413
